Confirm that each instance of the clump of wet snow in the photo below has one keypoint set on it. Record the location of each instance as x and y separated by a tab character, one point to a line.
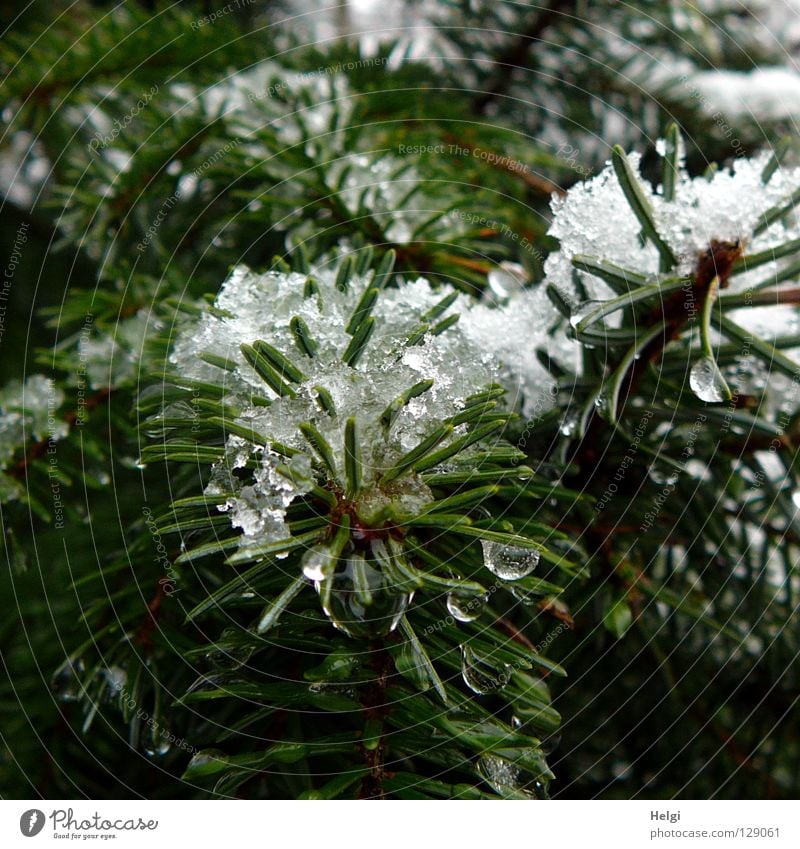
595	219
489	344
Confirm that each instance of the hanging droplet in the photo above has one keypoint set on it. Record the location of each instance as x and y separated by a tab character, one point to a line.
707	381
580	312
156	740
359	600
509	562
796	498
465	608
66	681
318	562
479	675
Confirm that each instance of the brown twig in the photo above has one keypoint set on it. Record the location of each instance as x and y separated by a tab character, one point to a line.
144	636
373	699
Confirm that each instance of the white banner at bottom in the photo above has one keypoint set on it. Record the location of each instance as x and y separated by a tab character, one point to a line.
352	825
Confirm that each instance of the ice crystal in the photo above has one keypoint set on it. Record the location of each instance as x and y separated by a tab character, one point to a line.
259	508
488	345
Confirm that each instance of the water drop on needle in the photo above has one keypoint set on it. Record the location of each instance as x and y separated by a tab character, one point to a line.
507	779
465	608
509	562
348	607
479	675
156	742
707	381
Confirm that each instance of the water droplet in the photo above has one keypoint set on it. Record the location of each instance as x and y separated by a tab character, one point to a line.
66	682
707	381
360	601
156	740
503	282
479	675
509	562
602	405
465	608
318	563
507	779
582	310
796	498
526	597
